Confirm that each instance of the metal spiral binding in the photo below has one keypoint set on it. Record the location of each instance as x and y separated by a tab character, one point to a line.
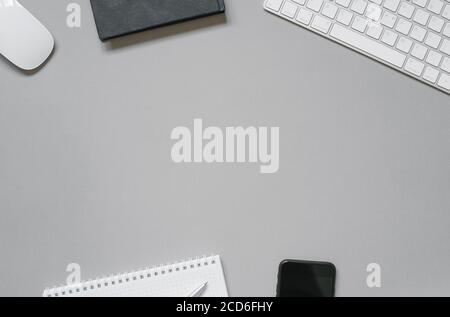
132	276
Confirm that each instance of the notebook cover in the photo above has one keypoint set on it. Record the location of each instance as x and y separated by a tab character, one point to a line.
120	17
178	279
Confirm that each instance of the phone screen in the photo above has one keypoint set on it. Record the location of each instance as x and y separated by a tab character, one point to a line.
306	279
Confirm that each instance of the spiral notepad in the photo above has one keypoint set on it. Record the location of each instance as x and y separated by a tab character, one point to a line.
172	280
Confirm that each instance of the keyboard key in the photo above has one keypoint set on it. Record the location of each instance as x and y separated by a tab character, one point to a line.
373	12
446	64
329	10
403	26
321	24
406	10
433	40
421	17
444	81
420	3
344	3
274	5
418	33
435	6
389	37
404	44
446	13
388	19
300	2
344	16
392	5
447	30
367	45
376	1
359	24
304	16
436	24
446	47
374	31
434	58
289	9
359	6
430	74
419	51
414	67
315	5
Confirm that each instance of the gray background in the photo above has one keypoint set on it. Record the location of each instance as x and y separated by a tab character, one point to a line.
86	174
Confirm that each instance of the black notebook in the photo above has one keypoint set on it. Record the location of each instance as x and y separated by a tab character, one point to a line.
120	17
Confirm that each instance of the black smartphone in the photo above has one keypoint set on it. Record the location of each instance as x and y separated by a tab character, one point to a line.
306	279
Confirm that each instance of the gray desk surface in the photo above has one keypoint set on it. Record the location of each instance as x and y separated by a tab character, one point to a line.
86	174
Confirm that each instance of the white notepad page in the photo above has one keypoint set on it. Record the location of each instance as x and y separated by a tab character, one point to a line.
172	280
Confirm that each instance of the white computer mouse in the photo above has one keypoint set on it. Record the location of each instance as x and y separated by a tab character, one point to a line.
23	39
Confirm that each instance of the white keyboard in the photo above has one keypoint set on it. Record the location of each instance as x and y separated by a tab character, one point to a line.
410	36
